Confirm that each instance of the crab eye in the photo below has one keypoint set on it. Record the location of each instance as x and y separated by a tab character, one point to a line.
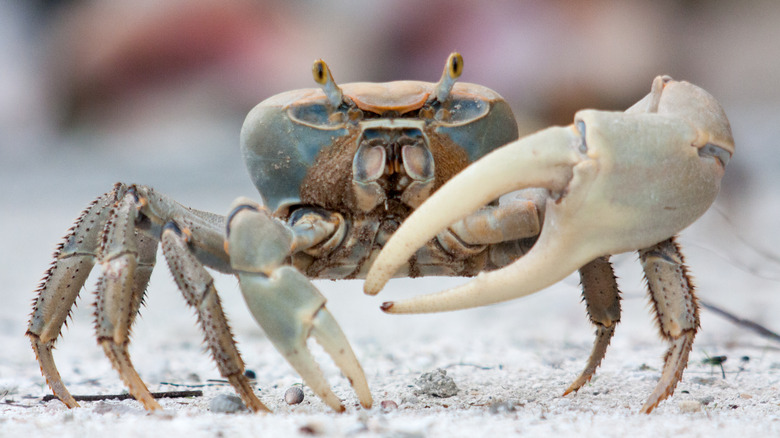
583	143
452	71
320	72
324	78
711	150
455	66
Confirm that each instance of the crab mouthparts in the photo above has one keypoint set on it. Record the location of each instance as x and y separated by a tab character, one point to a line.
546	159
392	161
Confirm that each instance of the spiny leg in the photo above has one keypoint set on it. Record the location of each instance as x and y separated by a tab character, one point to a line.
126	260
73	261
198	289
677	312
119	229
602	301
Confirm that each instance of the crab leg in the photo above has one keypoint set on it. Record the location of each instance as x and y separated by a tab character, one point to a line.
191	239
677	312
60	287
126	264
197	286
120	231
513	219
617	182
602	299
285	303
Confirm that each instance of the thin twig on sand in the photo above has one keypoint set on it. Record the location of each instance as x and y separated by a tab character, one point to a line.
167	394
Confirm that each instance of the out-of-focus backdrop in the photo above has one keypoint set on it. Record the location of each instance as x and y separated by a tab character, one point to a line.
153	92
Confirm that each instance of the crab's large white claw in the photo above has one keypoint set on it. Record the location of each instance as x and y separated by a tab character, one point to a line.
618	182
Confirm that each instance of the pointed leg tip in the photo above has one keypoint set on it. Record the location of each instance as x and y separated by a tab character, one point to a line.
149	404
72	403
578	384
244	390
261	409
321	389
363	394
654	400
574	387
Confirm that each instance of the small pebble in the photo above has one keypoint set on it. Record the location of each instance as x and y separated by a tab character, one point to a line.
250	374
436	383
745	396
293	395
226	404
688	406
388	405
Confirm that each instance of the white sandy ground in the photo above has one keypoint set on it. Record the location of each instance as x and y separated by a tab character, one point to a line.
521	354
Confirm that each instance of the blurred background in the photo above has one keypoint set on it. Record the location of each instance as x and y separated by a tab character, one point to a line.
154	92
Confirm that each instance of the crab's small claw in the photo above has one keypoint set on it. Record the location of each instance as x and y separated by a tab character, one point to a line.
617	181
286	304
290	309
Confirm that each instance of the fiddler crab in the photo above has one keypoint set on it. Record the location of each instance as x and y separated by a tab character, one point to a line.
381	180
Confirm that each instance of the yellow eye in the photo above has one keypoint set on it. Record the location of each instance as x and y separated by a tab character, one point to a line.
322	76
455	65
320	72
452	70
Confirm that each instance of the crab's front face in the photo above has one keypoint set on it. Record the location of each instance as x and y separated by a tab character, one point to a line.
370	148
